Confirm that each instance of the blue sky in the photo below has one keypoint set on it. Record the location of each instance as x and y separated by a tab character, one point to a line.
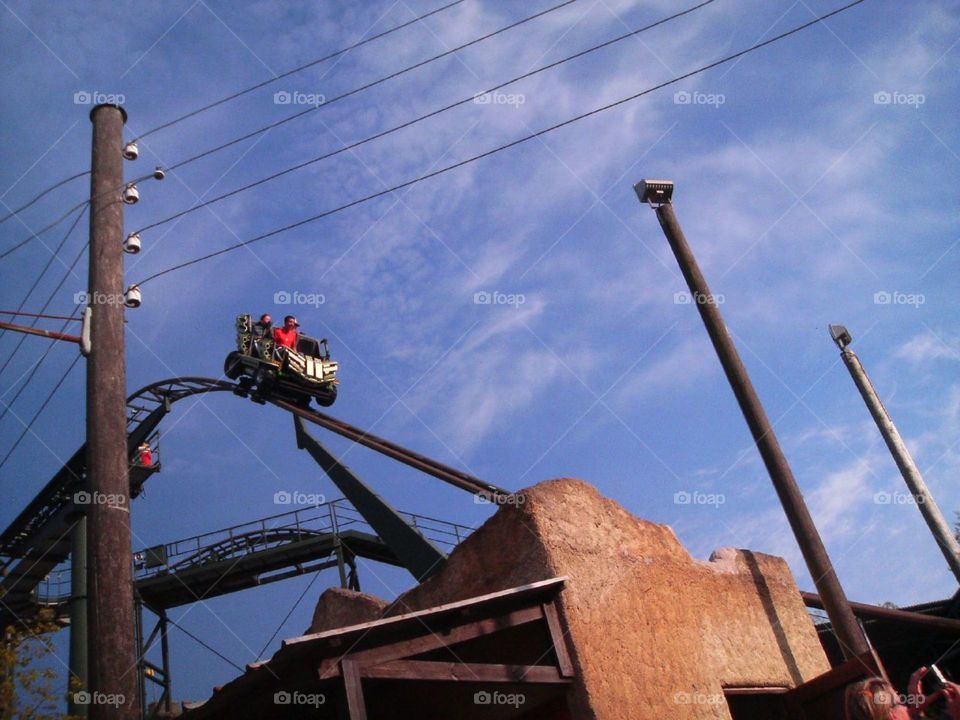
815	180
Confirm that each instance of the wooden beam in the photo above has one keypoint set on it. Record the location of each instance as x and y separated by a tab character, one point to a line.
464	672
431	640
558	638
771	690
491	605
854	669
878	612
356	707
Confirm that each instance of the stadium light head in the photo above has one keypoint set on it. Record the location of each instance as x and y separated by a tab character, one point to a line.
841	336
654	192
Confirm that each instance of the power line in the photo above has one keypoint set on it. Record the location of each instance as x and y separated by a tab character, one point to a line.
369	85
241	93
282	121
421	118
33	372
49	397
287	617
42	193
190	634
332	55
507	146
53	293
46	267
63	217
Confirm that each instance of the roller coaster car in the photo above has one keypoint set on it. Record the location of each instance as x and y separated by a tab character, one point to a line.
262	368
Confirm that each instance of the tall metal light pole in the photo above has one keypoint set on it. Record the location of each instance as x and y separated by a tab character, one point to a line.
908	468
853	641
112	649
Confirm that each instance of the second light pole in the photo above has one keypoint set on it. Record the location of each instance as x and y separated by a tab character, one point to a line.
853	641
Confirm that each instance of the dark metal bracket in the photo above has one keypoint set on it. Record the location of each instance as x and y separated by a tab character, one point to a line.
418	555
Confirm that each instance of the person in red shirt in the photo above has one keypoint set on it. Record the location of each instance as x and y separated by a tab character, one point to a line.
287	335
145	455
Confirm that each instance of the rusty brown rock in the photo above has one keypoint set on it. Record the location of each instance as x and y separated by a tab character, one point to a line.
652	632
338	607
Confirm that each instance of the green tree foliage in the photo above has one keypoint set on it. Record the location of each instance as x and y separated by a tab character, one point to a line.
27	683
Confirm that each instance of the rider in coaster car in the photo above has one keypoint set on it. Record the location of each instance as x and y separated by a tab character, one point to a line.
287	335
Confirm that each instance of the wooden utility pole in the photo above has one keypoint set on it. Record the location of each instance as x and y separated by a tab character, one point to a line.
112	651
853	641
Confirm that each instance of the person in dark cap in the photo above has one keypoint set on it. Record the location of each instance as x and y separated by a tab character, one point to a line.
263	327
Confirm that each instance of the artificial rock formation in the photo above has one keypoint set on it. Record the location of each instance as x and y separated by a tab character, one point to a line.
338	607
652	632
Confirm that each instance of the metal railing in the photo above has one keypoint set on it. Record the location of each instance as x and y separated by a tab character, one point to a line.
330	518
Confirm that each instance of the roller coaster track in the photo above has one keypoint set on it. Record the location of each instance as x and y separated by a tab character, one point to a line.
38	539
255	553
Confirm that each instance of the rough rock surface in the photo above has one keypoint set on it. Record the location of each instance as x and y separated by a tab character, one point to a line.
338	607
652	632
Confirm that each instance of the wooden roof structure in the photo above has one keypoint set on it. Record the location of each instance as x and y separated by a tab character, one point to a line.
500	655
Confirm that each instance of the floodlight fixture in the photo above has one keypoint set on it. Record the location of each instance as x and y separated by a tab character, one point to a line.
654	192
841	336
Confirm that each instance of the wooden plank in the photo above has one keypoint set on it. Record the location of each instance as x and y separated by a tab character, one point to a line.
431	640
772	690
464	672
558	638
356	707
857	668
514	595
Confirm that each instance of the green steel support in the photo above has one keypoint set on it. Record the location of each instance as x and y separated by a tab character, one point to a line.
77	678
418	555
